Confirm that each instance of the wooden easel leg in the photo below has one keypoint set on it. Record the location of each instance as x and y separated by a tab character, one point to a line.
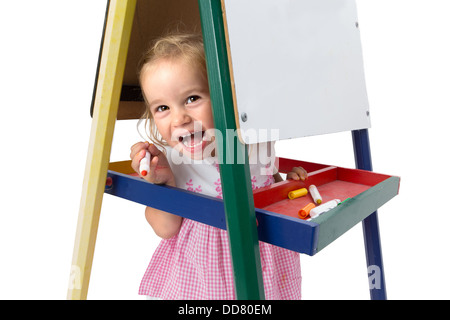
115	48
235	176
377	285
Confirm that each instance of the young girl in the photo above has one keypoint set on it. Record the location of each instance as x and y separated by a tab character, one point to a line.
193	259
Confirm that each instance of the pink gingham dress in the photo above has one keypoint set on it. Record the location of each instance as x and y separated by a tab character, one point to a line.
196	263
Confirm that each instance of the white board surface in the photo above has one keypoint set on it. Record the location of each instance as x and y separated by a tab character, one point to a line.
297	67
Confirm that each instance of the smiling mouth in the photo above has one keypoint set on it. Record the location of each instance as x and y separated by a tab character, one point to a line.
192	140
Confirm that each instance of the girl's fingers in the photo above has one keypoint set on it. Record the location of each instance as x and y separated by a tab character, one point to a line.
153	174
135	161
292	176
297	173
154	151
137	147
303	174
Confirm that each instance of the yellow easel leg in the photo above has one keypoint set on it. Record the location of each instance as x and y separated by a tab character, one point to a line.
115	48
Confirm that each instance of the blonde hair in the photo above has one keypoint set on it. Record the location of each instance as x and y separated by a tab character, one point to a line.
185	46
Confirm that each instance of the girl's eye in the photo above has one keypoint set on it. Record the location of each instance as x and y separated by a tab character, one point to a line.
162	108
192	99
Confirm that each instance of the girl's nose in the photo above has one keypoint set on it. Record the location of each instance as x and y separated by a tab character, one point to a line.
180	117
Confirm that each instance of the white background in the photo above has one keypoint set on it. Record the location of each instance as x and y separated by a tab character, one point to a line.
48	60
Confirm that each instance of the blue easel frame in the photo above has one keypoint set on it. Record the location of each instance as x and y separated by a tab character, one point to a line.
372	241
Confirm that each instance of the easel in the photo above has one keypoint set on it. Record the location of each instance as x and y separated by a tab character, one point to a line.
236	212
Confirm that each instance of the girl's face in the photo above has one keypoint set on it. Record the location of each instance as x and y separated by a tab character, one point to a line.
178	97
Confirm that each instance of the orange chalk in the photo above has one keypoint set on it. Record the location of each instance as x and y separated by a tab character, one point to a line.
304	213
297	193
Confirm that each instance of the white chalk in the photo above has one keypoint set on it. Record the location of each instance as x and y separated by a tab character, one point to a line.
324	208
144	165
315	194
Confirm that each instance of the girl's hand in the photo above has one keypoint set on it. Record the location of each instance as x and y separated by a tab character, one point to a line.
160	172
297	173
165	224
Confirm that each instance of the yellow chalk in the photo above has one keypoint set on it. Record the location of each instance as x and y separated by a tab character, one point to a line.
297	193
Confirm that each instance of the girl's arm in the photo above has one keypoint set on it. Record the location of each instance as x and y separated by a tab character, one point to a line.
165	224
277	177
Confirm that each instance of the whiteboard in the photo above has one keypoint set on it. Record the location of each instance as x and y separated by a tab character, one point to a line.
297	68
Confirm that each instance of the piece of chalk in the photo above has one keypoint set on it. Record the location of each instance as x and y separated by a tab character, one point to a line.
324	208
315	194
306	210
144	165
297	193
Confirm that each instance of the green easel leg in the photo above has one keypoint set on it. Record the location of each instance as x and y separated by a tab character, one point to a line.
235	175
